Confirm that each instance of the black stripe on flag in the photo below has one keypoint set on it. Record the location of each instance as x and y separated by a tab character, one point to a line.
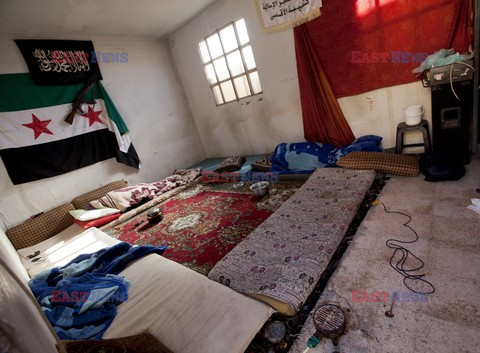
25	164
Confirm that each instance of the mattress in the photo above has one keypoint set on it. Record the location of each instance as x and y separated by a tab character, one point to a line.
281	261
184	310
213	163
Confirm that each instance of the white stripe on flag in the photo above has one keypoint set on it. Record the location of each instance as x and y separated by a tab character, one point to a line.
14	134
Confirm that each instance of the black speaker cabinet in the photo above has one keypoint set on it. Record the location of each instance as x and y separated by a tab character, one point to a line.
452	120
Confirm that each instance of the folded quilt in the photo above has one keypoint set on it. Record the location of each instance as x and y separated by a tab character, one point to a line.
80	298
123	199
305	157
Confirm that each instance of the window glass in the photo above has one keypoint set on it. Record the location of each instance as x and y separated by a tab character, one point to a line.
229	64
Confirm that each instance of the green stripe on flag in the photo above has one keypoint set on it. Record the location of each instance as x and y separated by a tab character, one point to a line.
115	116
19	92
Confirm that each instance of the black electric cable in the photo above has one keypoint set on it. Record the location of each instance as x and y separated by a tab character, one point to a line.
399	266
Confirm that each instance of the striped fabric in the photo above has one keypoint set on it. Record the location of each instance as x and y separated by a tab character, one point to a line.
388	163
81	202
42	227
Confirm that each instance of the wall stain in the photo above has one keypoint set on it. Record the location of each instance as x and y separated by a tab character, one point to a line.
370	102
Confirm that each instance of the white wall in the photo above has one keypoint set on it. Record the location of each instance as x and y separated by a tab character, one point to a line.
256	125
378	112
149	96
252	125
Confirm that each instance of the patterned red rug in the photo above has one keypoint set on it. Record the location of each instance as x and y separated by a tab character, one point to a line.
203	223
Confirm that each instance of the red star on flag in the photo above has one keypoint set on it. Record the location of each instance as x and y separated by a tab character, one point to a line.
38	126
92	116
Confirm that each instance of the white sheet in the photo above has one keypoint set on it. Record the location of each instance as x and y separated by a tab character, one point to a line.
186	311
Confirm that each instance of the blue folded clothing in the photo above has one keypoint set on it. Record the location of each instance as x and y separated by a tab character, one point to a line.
80	299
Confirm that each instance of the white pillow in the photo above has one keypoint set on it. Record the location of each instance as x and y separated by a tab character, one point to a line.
88	215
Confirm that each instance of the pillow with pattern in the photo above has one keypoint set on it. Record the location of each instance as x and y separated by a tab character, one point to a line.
263	165
230	164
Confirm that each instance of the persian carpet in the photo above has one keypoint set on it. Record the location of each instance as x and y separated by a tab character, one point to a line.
203	223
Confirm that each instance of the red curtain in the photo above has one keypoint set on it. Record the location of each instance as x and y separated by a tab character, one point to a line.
357	40
323	120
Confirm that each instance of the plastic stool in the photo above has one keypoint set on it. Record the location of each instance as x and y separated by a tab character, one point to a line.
403	127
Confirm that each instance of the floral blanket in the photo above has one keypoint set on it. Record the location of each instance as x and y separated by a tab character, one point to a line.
281	261
131	196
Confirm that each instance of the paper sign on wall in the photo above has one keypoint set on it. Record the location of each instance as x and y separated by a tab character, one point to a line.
278	15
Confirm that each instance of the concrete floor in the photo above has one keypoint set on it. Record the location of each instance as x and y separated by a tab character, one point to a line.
449	244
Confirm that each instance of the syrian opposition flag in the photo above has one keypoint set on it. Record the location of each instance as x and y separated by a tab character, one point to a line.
37	143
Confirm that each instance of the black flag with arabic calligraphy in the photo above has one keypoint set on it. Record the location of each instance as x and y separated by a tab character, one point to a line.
60	62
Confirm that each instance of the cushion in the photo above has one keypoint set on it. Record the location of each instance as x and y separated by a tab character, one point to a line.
81	202
97	222
230	164
141	343
262	165
84	215
389	163
42	227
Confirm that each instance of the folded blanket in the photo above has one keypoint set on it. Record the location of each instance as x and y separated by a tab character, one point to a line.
80	298
129	197
305	157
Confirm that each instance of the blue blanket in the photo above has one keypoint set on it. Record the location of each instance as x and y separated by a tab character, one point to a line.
305	157
80	299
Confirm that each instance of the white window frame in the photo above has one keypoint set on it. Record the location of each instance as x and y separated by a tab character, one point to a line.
231	77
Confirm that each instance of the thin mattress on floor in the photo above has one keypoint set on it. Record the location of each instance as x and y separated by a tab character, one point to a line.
281	261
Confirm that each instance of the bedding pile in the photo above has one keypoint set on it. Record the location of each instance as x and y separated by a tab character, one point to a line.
305	157
80	299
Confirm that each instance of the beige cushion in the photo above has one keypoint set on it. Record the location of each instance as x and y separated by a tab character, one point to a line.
81	202
12	259
389	163
42	227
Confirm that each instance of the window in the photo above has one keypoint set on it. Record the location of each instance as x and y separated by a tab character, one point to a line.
229	64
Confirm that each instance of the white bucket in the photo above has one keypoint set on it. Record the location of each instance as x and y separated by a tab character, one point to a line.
413	110
413	114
